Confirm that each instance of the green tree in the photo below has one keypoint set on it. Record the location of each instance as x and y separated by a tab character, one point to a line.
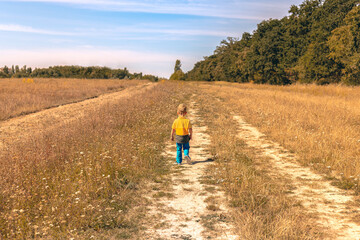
6	70
345	47
178	73
177	65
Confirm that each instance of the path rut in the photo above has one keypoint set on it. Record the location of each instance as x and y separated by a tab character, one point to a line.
331	205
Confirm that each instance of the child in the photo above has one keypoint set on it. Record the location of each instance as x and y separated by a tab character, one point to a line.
182	128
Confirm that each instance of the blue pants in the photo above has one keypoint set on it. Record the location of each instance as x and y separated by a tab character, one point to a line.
179	147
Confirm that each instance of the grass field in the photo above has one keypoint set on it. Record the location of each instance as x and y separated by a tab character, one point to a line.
22	96
86	179
321	124
261	209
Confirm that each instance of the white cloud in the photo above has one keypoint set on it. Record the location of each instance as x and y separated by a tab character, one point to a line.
147	62
173	31
122	30
210	8
27	29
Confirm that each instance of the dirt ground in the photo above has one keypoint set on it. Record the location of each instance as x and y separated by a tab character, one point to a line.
191	211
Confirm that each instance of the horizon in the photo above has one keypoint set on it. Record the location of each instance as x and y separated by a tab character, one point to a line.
140	35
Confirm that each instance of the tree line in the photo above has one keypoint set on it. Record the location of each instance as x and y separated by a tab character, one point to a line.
72	72
319	42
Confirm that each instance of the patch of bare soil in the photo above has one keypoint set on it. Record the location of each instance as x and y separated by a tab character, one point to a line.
192	209
332	207
28	126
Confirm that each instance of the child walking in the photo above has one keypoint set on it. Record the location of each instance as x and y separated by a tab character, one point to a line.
182	128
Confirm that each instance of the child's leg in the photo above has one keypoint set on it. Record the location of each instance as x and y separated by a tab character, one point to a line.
178	152
186	149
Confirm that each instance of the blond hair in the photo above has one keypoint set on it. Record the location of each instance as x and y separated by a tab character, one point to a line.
182	109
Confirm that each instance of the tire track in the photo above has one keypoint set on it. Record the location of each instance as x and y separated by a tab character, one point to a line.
332	206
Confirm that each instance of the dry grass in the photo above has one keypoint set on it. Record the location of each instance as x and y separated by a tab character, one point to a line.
84	181
321	124
19	97
261	209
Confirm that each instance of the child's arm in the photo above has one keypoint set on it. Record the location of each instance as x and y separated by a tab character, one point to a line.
172	134
190	133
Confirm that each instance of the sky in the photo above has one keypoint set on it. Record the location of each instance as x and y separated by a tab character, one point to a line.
143	35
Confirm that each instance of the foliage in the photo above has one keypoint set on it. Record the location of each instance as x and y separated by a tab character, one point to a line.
318	42
91	72
344	47
150	78
178	73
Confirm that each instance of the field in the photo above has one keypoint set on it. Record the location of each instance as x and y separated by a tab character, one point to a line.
319	123
97	168
26	95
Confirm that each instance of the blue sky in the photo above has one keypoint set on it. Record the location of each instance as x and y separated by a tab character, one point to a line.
143	35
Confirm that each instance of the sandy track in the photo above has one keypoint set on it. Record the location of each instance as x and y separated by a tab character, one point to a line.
331	206
26	126
183	214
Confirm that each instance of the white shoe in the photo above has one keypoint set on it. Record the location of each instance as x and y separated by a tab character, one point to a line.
188	159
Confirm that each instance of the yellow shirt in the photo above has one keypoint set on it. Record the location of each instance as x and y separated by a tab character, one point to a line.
181	125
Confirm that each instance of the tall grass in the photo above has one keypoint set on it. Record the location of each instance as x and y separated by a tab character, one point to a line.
321	124
21	96
85	179
261	209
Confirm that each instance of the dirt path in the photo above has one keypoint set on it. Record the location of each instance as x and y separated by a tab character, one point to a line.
331	206
29	125
189	211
